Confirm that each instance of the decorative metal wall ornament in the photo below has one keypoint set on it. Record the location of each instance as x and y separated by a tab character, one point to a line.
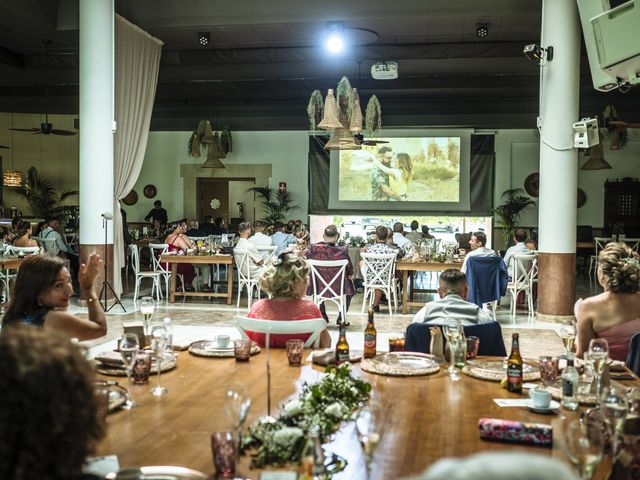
150	191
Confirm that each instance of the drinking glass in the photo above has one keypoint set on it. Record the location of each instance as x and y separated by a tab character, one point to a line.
614	407
158	345
129	348
295	349
453	333
598	354
568	334
225	451
548	369
369	428
585	446
236	406
146	308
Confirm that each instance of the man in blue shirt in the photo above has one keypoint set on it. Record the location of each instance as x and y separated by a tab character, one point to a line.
281	239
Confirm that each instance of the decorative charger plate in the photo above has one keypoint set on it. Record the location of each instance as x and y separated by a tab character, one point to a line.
209	348
157	473
401	364
149	191
168	363
495	370
131	198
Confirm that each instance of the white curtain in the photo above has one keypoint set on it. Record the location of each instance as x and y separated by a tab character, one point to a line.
137	61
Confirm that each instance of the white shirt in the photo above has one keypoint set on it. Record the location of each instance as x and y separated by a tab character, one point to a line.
400	240
451	306
478	252
261	240
254	256
518	249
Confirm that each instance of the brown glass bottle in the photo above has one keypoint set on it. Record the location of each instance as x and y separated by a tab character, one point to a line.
370	337
342	347
514	366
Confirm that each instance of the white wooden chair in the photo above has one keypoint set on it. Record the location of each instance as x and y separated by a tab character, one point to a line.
525	273
247	276
632	243
377	274
158	249
313	326
323	290
197	239
13	250
154	275
599	244
267	252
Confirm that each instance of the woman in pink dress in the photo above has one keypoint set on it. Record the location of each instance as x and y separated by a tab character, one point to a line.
615	313
286	279
178	241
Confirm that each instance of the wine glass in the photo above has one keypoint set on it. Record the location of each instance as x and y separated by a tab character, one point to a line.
146	308
368	426
568	334
236	406
158	345
614	406
129	348
598	354
585	446
453	332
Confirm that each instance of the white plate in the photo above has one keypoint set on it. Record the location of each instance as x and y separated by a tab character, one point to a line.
553	405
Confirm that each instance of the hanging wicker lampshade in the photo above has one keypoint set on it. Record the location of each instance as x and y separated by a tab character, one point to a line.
12	178
195	146
330	120
596	159
342	139
213	155
356	114
208	137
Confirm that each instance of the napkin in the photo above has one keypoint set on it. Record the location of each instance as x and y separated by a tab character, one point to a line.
517	432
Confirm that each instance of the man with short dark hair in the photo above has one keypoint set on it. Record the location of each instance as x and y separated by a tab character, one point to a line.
329	250
380	189
519	248
157	213
398	236
477	243
281	239
414	236
259	239
219	227
194	229
452	290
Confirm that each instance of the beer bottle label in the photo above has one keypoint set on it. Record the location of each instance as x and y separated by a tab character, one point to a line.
343	356
369	341
514	374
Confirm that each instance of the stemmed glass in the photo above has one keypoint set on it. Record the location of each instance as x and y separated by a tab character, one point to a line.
453	332
368	426
568	334
236	406
129	348
585	446
598	354
146	308
614	407
158	345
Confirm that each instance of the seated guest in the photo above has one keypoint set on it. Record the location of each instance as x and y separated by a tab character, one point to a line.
23	237
291	225
531	244
178	241
60	247
39	228
615	313
157	213
42	293
219	226
207	226
477	243
50	416
194	230
281	239
380	246
398	236
452	290
301	234
425	233
286	279
414	236
255	260
259	239
519	236
328	250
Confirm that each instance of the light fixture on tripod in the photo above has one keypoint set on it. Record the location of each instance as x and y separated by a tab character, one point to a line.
106	286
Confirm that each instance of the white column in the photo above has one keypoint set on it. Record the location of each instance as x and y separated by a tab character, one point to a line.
96	119
559	97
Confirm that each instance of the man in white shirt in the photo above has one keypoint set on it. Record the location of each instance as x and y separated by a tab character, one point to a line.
259	239
520	248
452	290
254	261
398	236
477	243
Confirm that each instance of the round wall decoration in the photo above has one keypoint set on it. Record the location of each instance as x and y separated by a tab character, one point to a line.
150	191
532	184
131	198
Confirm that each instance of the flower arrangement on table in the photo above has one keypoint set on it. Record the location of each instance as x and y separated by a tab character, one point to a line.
355	241
327	403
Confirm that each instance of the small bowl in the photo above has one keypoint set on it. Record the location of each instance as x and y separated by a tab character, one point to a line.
223	341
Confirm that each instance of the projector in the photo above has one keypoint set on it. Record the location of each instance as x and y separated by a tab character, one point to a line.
384	70
585	133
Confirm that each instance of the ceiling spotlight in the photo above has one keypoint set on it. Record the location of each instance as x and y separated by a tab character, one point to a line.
536	53
203	38
482	30
335	37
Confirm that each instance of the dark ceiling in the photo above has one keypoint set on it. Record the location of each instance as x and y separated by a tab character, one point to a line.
264	60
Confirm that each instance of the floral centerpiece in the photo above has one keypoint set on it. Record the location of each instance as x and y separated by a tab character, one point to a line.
355	241
327	404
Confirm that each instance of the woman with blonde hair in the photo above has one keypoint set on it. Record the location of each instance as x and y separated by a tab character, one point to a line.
615	313
286	279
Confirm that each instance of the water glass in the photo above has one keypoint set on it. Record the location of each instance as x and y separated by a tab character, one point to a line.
129	348
147	306
585	446
548	369
473	343
295	349
242	349
613	404
223	446
159	344
598	354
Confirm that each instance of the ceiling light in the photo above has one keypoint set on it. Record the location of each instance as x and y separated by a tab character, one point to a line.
335	37
203	38
482	30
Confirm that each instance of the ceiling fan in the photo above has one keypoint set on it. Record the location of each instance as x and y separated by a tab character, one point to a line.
46	128
360	140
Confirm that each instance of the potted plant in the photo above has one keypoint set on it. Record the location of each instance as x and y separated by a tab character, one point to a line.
276	203
514	203
43	198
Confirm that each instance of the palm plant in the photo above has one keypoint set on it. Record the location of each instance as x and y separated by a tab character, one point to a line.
515	202
43	198
276	203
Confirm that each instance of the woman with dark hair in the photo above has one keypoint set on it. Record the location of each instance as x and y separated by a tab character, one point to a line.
49	413
23	236
42	293
178	241
615	313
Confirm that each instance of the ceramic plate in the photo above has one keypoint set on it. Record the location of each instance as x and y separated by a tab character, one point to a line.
209	348
158	473
553	406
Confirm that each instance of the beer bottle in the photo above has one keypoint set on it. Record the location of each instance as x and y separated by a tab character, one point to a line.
514	366
342	347
312	459
370	337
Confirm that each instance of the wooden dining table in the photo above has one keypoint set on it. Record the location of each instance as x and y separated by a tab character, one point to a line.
425	418
408	289
175	260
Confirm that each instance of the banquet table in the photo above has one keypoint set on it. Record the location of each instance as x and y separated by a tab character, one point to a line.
174	260
406	267
10	263
426	418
